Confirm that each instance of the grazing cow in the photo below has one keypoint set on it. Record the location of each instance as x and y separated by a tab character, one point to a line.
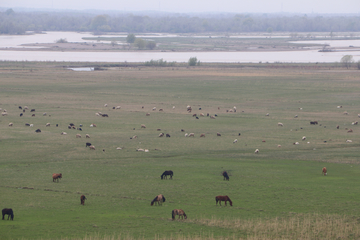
197	117
202	135
33	115
44	114
87	136
92	147
27	124
337	127
78	136
47	125
11	124
159	129
256	150
223	198
350	131
280	124
355	123
191	135
79	128
38	130
194	115
161	134
167	135
179	212
105	115
20	107
82	199
21	114
324	171
218	134
143	126
359	115
113	107
182	130
161	110
134	137
147	114
32	110
9	212
23	110
208	114
88	144
313	122
235	141
226	176
63	133
159	199
56	176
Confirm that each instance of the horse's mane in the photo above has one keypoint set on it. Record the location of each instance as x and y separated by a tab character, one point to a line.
229	200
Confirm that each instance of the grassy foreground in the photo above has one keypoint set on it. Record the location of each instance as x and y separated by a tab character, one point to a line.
278	193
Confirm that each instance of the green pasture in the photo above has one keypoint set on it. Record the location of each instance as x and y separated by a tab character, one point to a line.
120	184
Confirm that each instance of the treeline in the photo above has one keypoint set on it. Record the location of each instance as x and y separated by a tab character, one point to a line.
12	22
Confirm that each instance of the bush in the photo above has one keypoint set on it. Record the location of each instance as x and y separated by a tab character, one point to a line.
61	40
130	38
193	61
150	45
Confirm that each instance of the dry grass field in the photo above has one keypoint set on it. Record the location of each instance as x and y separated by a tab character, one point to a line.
278	193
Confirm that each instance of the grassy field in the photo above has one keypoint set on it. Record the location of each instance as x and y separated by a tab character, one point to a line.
278	193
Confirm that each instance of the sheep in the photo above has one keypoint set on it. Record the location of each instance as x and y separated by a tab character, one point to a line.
158	129
194	115
339	106
47	125
186	134
146	150
105	105
161	110
26	108
235	141
279	146
118	148
134	137
87	136
97	114
154	108
337	127
44	114
173	107
359	115
93	125
143	126
191	135
78	136
142	107
303	138
212	117
350	131
32	110
88	144
33	115
4	113
202	135
4	110
140	150
21	114
296	143
92	147
346	113
161	134
27	124
296	116
355	123
256	150
349	141
31	125
118	107
234	108
280	124
267	114
63	133
202	115
218	134
147	114
11	124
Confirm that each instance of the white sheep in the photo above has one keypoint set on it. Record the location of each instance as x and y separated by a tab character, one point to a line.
11	124
235	141
303	138
256	150
280	124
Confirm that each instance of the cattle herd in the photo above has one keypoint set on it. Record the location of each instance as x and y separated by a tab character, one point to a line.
159	199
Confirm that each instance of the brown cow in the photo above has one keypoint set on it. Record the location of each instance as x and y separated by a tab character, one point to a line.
202	135
324	171
82	199
56	176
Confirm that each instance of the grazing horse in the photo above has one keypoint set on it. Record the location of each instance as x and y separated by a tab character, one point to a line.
56	176
179	212
159	199
324	171
82	199
226	176
166	173
223	198
9	212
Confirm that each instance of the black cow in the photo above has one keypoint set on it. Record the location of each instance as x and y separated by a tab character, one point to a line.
32	110
105	115
167	135
313	123
226	176
21	114
88	144
38	130
20	107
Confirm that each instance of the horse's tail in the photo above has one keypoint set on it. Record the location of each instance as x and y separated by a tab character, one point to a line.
163	198
173	214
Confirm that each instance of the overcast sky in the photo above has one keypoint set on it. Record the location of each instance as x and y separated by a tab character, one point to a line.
183	6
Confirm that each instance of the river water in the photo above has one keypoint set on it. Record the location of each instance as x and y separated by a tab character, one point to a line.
308	56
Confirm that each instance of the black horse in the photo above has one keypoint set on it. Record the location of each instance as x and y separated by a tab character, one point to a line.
226	176
9	212
166	173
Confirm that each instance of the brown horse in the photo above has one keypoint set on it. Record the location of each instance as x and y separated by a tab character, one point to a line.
159	199
179	212
56	176
226	176
223	198
324	171
82	199
9	212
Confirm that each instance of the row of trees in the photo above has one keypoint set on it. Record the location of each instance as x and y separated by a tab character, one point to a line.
18	22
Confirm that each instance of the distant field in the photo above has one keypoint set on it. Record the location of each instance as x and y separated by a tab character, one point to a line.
279	186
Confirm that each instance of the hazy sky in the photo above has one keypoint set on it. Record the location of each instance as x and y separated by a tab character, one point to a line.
252	6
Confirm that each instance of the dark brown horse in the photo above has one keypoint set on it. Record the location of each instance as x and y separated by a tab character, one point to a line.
167	173
56	176
9	212
223	198
226	176
179	212
159	199
82	199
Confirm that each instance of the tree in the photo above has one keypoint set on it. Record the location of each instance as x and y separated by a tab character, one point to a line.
150	45
347	61
130	38
140	43
193	61
98	22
